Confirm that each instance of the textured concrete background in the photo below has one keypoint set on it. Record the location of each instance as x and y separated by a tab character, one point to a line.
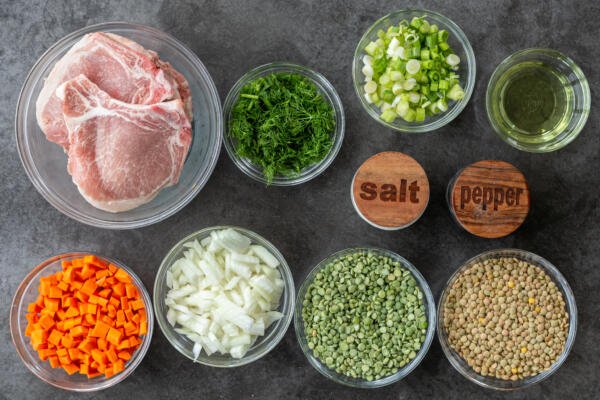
311	221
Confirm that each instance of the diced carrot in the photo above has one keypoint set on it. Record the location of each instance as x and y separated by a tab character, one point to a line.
122	276
46	322
129	315
55	337
111	355
90	319
68	274
62	314
124	345
55	292
118	366
87	318
74	353
76	285
100	329
51	304
114	336
108	372
143	328
89	287
112	311
102	344
54	361
77	262
124	303
79	295
98	300
71	368
102	273
72	312
131	291
67	341
108	320
78	331
44	354
99	356
137	304
71	323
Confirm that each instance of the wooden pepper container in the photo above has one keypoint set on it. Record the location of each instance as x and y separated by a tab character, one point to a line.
489	198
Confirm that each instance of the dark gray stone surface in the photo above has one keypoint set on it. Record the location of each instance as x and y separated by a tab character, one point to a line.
313	220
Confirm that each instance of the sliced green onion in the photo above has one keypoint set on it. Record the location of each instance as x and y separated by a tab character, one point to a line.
370	87
443	35
388	115
413	66
455	93
453	60
410	71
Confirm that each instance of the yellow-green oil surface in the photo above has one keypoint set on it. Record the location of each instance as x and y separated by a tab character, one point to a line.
534	102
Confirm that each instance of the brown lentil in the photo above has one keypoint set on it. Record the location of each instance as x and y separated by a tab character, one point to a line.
506	318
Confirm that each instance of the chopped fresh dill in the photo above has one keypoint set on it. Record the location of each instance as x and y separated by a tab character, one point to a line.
282	123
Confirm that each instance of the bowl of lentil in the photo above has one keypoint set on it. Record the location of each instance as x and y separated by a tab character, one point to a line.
365	317
507	319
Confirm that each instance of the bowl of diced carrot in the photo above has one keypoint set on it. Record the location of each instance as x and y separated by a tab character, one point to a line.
81	322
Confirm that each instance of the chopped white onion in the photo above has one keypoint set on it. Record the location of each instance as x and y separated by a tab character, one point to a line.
223	293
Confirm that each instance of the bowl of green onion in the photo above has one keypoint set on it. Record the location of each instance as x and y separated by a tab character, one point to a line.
414	70
284	124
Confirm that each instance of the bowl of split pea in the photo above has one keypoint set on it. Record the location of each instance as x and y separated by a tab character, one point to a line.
507	319
365	317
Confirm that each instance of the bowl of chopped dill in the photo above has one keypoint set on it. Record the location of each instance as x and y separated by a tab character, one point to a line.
284	124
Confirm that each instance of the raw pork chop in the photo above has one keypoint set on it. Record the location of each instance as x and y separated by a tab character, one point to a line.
121	155
119	70
183	88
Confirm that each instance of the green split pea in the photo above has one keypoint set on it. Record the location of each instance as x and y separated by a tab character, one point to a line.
364	316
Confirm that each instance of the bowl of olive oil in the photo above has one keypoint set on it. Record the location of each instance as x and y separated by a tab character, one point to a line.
538	100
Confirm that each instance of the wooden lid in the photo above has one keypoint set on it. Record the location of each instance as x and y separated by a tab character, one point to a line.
489	198
390	190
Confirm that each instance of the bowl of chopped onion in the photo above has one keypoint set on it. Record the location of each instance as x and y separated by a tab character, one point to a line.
224	296
414	70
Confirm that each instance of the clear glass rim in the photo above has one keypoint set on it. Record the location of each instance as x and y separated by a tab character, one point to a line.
581	119
288	298
48	193
432	123
331	95
428	302
19	341
571	307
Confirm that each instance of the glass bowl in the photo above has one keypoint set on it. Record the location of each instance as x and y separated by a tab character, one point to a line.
327	90
430	312
580	101
46	164
263	344
458	42
494	383
27	292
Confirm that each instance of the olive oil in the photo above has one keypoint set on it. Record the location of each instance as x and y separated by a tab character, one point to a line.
532	102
